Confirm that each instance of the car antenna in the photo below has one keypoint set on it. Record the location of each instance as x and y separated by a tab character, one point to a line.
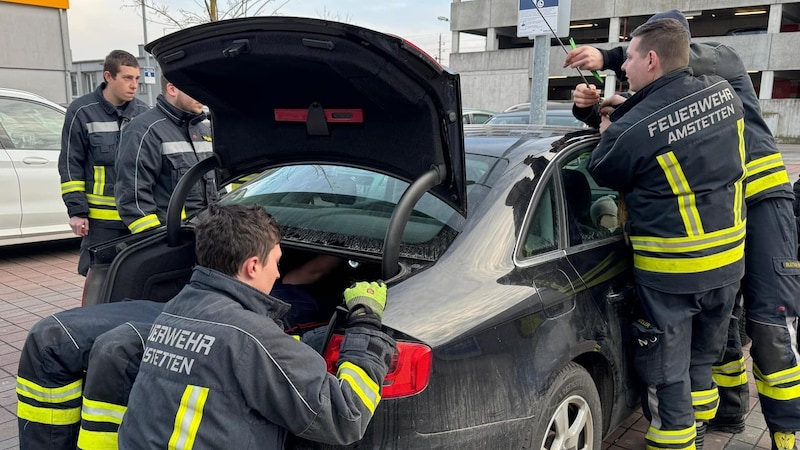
596	75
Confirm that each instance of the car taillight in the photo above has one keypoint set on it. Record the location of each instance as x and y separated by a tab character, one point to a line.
409	371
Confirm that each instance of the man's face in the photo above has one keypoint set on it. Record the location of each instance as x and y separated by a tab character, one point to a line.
187	103
267	272
122	87
637	67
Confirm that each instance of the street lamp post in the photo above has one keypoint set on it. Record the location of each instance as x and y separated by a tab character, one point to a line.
443	19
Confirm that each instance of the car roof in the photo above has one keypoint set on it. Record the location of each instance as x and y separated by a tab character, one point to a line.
289	90
25	95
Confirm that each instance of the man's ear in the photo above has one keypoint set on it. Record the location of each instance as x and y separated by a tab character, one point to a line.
247	270
107	76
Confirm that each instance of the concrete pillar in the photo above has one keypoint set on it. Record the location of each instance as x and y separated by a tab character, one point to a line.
455	42
491	39
610	85
775	13
613	29
767	80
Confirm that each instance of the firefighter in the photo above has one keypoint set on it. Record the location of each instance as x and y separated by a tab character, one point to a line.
89	142
218	369
51	370
686	222
772	278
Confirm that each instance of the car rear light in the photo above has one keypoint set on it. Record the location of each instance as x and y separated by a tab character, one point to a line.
409	371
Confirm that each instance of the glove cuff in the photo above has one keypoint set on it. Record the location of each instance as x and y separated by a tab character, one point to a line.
371	304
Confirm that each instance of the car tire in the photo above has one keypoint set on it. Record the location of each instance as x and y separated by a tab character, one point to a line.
572	416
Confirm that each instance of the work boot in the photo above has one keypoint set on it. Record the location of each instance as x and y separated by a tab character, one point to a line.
726	424
783	440
701	435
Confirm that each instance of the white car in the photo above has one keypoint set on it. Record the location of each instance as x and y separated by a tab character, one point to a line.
31	208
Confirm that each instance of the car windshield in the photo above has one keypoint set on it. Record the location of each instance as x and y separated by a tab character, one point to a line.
350	207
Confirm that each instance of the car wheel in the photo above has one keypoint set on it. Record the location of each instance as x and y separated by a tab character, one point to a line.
572	417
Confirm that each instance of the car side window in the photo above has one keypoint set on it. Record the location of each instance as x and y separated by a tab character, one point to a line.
591	209
31	126
542	234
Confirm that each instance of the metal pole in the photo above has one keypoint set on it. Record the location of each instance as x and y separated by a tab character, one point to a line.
146	54
540	60
440	48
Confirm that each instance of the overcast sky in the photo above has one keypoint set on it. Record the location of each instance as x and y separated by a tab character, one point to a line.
98	26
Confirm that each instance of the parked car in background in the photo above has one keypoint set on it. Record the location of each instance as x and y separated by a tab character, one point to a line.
555	117
475	116
31	208
509	307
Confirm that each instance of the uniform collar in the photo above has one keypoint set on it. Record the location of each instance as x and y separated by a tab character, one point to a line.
636	98
250	298
177	115
125	110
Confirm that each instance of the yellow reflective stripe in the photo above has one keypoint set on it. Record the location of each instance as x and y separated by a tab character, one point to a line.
183	212
105	440
687	203
671	437
689	265
789	375
729	381
688	447
188	418
738	199
101	200
29	389
705	404
295	337
776	392
104	214
48	416
96	411
366	389
73	186
730	368
762	184
768	162
144	223
99	180
682	244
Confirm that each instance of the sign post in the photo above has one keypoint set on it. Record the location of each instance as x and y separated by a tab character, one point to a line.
149	75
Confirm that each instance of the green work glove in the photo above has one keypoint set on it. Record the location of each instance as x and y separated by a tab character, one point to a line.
372	295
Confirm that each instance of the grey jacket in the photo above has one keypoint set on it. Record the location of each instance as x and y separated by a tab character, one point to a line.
89	142
219	370
155	151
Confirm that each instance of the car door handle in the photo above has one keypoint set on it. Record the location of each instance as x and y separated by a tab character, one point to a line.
35	160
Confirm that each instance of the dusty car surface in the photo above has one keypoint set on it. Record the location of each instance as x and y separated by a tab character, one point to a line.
31	209
510	307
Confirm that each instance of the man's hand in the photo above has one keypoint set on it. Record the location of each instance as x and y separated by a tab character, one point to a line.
79	225
585	96
606	108
372	295
584	58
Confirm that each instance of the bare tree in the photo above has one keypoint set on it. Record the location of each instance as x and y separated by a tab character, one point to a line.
206	11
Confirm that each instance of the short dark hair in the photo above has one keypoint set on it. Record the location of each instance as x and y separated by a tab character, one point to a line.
118	58
668	38
226	235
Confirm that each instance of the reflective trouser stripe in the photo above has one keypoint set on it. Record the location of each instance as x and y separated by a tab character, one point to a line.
145	223
73	186
366	389
187	420
97	440
782	385
96	411
731	374
61	394
705	404
48	416
656	439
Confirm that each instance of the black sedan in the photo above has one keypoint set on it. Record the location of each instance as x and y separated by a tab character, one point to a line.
508	296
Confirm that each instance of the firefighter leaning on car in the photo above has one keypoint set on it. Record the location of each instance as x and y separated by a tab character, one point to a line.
675	151
772	277
218	370
89	142
155	151
50	377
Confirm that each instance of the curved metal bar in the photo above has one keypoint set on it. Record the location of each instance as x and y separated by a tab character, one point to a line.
178	197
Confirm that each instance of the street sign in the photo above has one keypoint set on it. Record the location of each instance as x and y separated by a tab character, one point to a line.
531	23
149	75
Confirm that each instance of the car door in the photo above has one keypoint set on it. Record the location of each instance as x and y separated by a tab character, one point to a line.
10	209
32	145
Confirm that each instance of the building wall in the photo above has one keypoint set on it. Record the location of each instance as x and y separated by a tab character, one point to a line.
35	52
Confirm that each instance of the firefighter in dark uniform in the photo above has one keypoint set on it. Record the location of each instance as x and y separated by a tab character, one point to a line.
772	280
675	151
89	142
155	151
50	377
217	357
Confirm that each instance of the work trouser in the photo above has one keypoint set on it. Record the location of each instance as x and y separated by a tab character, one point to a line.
97	235
679	390
730	373
112	368
51	369
772	302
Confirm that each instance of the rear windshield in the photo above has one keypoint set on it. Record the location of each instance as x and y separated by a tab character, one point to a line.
349	207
